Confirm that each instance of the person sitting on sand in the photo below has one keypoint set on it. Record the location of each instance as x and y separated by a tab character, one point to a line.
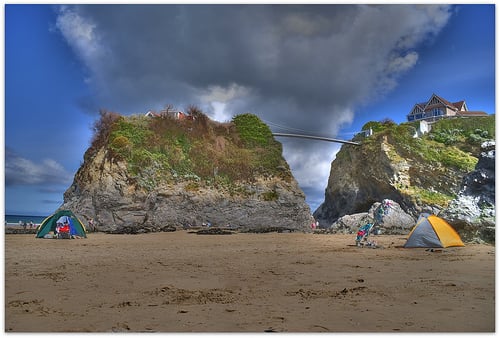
62	229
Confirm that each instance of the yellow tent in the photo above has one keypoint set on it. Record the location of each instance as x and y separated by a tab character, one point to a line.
432	232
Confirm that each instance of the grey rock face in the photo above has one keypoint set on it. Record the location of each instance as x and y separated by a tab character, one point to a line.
103	191
361	176
392	221
472	213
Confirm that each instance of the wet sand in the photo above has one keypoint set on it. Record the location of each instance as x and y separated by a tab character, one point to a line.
183	282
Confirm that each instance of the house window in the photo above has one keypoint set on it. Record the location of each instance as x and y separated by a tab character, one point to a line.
437	112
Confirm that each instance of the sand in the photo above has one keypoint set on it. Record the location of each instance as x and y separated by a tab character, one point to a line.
184	282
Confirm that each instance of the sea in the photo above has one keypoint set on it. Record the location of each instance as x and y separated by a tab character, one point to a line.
14	219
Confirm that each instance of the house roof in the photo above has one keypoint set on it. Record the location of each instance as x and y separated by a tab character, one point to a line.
446	102
459	104
152	113
426	106
435	105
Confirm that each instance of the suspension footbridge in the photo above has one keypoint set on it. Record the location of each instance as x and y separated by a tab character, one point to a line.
304	134
319	138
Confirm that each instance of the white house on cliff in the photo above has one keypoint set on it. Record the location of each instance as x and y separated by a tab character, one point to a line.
437	108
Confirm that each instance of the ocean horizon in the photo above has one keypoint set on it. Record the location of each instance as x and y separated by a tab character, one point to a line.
15	219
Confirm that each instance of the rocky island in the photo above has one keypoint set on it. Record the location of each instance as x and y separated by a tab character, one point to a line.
430	173
158	173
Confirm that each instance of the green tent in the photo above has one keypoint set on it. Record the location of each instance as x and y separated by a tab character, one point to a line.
49	224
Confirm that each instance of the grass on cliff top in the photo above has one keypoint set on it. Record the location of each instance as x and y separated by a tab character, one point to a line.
451	142
202	151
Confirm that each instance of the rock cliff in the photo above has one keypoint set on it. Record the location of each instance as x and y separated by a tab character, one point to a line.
472	212
422	174
145	174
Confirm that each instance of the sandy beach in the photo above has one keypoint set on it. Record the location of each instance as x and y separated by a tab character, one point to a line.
288	282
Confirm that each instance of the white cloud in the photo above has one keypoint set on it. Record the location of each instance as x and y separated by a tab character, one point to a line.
403	63
218	97
311	166
21	171
219	112
225	94
82	35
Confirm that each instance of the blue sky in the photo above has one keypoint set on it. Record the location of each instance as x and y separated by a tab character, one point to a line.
321	69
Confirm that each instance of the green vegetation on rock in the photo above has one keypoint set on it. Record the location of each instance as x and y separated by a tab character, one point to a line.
466	134
452	146
428	197
253	132
434	148
201	151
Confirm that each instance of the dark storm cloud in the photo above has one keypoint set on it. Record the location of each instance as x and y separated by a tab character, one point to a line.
312	56
306	67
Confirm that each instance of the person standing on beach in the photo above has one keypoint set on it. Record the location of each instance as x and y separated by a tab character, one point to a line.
91	225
